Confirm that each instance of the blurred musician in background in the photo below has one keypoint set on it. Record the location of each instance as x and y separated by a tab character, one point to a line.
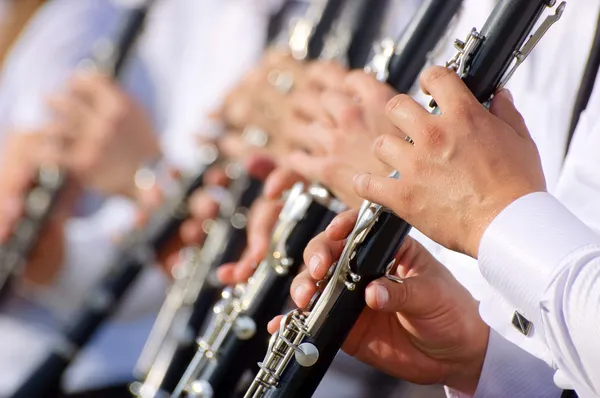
105	132
14	16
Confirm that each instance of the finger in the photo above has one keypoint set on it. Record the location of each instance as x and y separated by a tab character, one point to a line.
12	209
232	145
342	225
304	135
97	91
306	104
216	176
279	181
203	206
192	232
326	75
503	107
366	88
226	274
335	175
414	295
70	113
274	323
303	289
385	191
344	110
259	166
245	269
263	217
320	254
393	151
447	89
408	116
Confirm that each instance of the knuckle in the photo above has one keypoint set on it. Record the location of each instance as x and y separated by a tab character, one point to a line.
349	115
433	74
328	171
397	102
406	198
380	144
434	136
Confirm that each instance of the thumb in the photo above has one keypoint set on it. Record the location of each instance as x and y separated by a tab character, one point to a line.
415	295
503	107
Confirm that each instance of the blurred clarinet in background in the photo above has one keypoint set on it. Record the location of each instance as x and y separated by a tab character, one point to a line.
237	335
110	58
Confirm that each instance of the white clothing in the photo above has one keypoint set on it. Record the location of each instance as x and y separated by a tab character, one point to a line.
546	262
544	89
508	371
175	30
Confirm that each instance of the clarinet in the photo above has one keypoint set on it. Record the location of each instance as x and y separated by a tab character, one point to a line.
307	341
232	333
137	251
168	351
108	58
169	347
233	337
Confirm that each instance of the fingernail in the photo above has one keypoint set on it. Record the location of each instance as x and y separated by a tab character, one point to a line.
359	179
313	263
382	296
300	289
509	95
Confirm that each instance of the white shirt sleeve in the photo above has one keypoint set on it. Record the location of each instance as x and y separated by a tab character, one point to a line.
509	371
38	66
546	263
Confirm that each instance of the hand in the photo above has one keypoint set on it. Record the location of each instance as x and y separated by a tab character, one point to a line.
106	136
235	146
304	108
465	167
426	330
340	150
22	154
261	221
256	100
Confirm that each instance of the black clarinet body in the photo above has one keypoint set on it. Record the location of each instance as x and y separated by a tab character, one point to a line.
349	42
238	353
370	262
231	250
106	297
302	350
50	180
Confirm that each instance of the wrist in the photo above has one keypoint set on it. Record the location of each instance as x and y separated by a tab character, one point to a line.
467	372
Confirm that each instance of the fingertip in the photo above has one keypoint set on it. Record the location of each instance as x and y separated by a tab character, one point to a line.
360	182
377	296
315	261
506	93
274	323
244	270
301	294
225	274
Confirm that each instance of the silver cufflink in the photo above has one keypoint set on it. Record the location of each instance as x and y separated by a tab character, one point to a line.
521	323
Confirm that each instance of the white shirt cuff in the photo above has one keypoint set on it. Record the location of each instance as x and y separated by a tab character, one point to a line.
524	246
508	371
